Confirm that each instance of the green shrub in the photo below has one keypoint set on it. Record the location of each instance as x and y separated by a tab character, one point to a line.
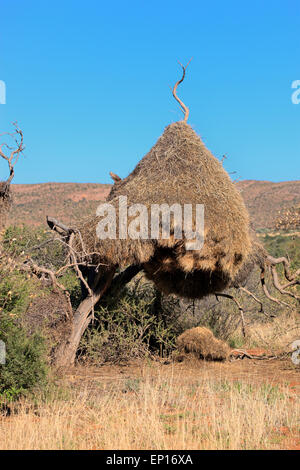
135	324
15	291
25	365
35	242
26	358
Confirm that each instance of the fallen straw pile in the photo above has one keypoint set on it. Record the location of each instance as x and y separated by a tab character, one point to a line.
200	343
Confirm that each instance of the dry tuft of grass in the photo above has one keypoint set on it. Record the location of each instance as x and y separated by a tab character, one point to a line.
201	343
277	334
155	412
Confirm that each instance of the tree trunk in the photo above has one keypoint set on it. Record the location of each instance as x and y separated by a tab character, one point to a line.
66	352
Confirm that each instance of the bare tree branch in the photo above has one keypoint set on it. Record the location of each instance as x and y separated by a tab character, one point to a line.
279	287
266	292
286	265
231	297
54	224
185	109
115	177
15	152
253	297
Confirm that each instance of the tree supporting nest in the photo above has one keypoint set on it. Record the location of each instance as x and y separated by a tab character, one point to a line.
95	262
96	286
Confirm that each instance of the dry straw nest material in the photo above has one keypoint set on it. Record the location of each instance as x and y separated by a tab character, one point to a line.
201	343
179	169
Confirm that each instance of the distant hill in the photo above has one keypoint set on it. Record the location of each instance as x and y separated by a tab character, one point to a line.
69	202
265	199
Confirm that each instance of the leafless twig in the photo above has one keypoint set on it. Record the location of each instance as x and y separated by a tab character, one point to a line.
185	109
15	152
231	297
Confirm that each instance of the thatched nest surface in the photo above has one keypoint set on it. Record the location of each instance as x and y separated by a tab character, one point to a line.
200	342
179	169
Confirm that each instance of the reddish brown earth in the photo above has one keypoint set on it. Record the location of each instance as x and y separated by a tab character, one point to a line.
70	201
265	199
67	202
276	373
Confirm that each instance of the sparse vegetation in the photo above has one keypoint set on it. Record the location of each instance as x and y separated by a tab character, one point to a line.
150	407
133	325
25	367
137	323
159	312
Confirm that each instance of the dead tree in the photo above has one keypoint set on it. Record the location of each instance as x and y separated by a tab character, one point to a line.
11	154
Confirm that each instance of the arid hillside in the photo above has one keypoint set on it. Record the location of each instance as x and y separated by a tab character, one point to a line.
265	199
70	201
65	201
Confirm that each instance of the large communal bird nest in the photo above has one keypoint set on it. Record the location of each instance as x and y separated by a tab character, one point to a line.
179	169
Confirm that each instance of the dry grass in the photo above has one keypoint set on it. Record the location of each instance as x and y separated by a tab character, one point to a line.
277	334
200	341
154	411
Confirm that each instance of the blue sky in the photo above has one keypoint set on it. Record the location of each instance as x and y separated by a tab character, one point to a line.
88	82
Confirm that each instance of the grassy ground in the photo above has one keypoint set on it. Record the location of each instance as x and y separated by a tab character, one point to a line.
243	404
150	405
